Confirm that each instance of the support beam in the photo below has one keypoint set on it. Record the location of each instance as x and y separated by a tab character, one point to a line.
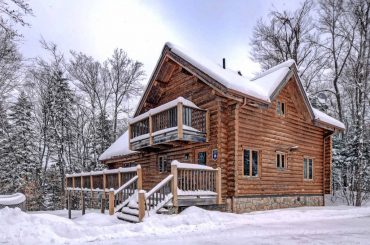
218	186
69	205
174	185
139	173
180	132
208	126
111	201
150	130
141	205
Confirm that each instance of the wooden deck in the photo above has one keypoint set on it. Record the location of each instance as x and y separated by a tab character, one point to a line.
187	185
174	123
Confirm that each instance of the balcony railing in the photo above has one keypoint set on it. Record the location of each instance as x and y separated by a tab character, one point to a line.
178	120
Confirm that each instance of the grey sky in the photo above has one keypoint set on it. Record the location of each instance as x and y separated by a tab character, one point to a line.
214	28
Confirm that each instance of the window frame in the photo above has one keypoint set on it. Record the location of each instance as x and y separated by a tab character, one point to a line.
251	150
279	105
165	167
280	154
308	159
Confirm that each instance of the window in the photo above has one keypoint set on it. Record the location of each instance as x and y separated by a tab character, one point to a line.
308	168
250	162
281	160
202	158
280	108
162	164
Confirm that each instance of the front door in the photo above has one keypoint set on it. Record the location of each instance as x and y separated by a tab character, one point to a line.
201	156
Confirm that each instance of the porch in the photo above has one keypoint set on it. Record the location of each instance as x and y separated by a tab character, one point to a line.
121	190
177	121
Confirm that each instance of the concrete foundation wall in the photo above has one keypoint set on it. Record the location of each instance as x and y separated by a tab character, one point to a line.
259	203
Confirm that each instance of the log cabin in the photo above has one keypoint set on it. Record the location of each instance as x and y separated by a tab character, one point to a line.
205	135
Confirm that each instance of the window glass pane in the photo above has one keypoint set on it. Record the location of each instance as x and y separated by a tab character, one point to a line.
310	169
282	160
278	107
278	160
246	162
282	108
254	163
202	158
305	168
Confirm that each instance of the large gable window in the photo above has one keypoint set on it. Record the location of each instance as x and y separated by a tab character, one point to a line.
250	162
280	108
308	168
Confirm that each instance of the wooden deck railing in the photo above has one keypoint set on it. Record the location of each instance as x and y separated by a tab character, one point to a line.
116	185
178	122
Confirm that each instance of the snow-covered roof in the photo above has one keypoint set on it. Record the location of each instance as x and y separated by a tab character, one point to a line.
119	148
164	107
261	87
321	116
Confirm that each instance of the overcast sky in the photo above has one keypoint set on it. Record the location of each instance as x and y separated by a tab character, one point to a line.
213	28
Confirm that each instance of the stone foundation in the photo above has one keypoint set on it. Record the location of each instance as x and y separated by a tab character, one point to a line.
259	203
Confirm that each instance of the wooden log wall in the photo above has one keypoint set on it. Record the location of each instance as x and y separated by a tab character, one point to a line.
265	131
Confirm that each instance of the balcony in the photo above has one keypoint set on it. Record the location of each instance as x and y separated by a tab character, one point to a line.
179	120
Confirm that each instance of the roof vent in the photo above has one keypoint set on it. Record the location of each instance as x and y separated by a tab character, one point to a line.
224	63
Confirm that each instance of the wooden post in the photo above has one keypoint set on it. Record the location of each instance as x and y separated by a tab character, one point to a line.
208	126
180	132
103	197
92	188
73	183
82	195
83	203
174	185
102	207
218	186
69	205
139	173
141	205
111	201
150	130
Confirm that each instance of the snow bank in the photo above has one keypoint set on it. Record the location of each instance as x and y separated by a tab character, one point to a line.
119	148
192	224
13	199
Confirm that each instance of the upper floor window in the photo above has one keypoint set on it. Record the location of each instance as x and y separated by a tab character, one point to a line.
280	108
250	162
281	160
308	168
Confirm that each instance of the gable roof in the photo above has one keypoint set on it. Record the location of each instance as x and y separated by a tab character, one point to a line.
263	87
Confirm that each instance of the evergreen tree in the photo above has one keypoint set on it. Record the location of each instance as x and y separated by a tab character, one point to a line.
5	157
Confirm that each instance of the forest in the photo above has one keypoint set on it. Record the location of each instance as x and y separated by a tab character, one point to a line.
60	111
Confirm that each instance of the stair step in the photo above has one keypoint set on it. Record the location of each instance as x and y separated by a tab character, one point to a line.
132	211
133	204
128	217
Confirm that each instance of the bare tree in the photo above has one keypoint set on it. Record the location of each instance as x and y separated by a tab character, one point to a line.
13	12
288	35
124	75
337	37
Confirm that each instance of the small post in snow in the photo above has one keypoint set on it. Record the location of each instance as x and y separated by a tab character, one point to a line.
141	205
69	204
111	201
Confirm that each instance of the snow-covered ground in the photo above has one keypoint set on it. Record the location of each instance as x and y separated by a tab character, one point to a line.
333	225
